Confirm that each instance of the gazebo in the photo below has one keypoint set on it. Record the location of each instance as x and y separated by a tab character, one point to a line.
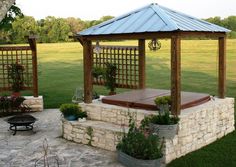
154	22
198	126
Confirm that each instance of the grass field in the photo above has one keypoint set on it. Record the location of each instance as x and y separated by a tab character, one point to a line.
61	71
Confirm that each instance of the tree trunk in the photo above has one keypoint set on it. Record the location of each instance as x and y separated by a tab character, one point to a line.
4	7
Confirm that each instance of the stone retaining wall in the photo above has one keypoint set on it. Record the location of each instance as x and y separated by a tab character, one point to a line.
198	126
113	114
35	103
103	135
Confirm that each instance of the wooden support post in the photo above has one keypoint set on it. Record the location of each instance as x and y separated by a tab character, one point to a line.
222	67
141	44
175	75
33	46
87	56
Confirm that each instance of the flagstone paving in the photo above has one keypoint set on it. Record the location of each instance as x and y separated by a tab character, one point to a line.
25	149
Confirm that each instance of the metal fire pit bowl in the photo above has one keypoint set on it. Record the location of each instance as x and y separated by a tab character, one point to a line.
21	120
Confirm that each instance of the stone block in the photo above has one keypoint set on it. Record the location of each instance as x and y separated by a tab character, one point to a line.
198	126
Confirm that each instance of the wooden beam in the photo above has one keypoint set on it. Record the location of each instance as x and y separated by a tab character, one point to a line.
33	46
175	75
151	35
222	67
88	82
201	35
141	44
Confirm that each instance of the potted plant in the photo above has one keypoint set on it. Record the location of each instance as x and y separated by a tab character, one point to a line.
72	112
110	78
139	149
98	73
16	78
163	124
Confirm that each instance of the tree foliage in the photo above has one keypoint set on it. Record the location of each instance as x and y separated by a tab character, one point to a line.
229	22
11	15
23	27
52	29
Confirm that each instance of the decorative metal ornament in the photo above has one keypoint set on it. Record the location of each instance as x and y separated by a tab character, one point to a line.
154	45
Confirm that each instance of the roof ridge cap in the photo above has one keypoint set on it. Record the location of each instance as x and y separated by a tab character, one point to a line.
165	18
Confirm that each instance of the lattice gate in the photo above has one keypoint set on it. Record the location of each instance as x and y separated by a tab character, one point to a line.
126	59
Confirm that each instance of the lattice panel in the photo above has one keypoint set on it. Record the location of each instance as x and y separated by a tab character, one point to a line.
12	55
126	59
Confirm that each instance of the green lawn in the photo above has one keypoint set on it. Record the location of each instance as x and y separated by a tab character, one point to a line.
61	71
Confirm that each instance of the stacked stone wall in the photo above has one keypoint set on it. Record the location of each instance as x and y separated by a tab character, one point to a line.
198	126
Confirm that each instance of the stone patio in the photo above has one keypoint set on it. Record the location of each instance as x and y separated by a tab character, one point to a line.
25	148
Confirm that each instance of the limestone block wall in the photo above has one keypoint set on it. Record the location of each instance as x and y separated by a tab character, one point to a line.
35	103
200	126
103	135
114	114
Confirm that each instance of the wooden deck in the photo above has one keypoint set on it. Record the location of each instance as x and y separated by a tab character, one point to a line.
144	98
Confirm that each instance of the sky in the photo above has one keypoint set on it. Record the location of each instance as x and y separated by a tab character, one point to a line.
95	9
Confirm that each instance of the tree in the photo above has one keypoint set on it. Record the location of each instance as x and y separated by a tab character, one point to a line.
4	7
231	22
95	22
23	27
54	30
76	25
10	16
215	20
105	18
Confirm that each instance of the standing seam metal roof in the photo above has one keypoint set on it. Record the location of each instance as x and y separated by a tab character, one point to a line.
152	18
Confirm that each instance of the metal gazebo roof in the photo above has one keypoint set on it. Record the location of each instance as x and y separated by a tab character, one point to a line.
152	18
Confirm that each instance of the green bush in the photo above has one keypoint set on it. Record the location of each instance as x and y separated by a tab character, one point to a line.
163	100
110	77
164	117
139	145
98	72
72	109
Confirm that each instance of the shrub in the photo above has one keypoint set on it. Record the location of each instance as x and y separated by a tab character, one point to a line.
16	76
72	109
164	100
164	117
139	145
98	72
110	76
10	104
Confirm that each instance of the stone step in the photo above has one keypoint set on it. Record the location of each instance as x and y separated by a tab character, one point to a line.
102	134
114	114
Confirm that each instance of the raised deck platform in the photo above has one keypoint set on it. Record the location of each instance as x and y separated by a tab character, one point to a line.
144	98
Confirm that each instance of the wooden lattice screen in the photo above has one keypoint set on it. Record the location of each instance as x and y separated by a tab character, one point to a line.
25	56
126	59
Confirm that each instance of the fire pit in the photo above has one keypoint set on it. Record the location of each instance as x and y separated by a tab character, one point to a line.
21	120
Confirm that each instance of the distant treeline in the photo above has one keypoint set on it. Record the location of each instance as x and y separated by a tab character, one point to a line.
49	30
229	22
52	29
